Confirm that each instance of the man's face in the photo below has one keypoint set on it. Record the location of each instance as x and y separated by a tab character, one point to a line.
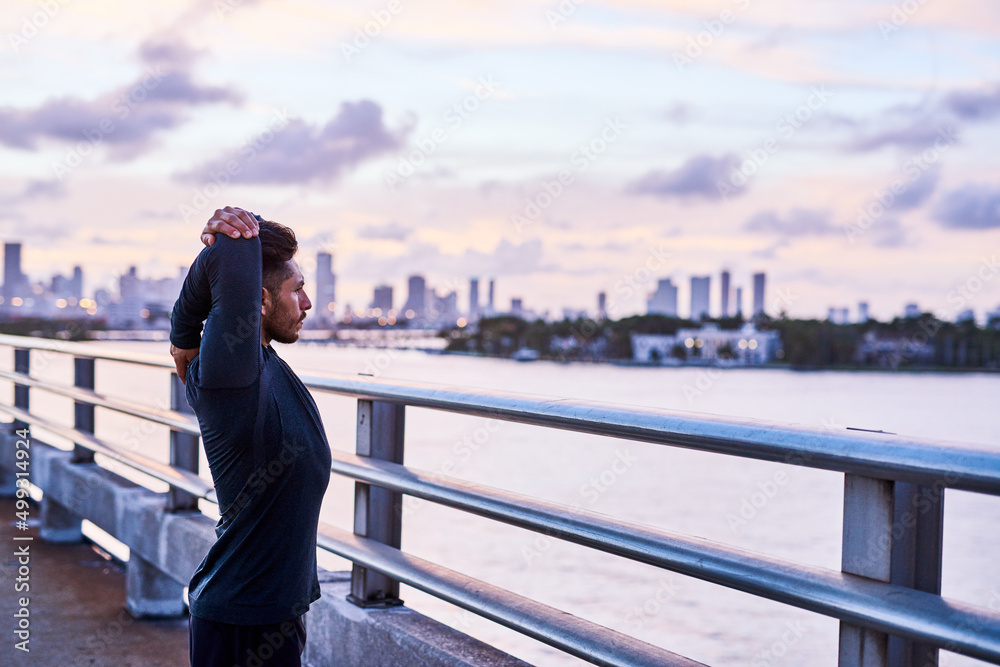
288	307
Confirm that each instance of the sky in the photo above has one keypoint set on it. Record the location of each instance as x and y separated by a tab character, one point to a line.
847	149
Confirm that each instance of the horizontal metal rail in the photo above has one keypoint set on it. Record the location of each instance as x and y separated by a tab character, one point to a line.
175	477
88	350
901	611
883	456
175	420
592	642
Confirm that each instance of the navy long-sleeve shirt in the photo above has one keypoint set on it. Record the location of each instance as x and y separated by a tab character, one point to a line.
270	477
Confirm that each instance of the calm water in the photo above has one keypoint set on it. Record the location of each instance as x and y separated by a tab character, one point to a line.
687	492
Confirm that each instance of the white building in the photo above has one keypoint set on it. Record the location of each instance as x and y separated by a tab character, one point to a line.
748	345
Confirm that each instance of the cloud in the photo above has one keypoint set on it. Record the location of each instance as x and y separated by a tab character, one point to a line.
125	119
917	191
300	152
798	222
700	177
36	189
391	230
680	113
913	134
771	251
609	246
974	206
974	105
889	233
917	126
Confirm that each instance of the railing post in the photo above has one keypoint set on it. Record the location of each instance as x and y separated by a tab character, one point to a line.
378	512
83	377
866	551
184	450
22	398
892	533
918	522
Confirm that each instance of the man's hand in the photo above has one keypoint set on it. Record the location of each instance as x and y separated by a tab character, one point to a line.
231	221
181	360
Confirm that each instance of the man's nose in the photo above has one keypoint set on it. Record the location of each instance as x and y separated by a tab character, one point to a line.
308	303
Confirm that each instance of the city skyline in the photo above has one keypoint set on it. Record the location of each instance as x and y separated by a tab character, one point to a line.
559	157
132	298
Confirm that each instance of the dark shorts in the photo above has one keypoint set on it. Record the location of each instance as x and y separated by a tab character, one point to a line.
223	645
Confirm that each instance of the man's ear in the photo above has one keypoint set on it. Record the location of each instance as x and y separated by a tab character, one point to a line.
265	301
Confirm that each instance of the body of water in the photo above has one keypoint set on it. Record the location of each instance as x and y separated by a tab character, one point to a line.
678	490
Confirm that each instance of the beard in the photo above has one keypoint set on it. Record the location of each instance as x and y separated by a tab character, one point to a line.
280	325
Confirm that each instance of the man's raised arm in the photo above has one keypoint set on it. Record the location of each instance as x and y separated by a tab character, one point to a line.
223	290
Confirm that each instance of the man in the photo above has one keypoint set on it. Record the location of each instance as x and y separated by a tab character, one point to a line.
263	438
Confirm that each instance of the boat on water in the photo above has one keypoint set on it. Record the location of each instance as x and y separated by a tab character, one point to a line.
525	354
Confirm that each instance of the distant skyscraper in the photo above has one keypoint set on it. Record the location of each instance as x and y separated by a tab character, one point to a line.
758	294
13	279
490	306
700	290
473	298
739	302
664	300
912	310
602	303
76	282
383	299
516	308
416	299
326	287
863	312
725	294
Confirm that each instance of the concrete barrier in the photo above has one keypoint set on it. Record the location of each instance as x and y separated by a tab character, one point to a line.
166	548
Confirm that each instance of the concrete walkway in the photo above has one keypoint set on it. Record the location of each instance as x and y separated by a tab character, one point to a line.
77	608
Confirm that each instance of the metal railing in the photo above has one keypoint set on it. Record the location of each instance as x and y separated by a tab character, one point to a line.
886	595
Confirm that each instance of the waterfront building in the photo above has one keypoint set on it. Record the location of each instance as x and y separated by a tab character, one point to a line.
747	346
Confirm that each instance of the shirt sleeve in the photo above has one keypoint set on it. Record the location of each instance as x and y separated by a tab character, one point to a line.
223	290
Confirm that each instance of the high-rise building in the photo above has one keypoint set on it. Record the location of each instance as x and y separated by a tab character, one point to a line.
76	283
473	298
383	299
516	307
725	294
758	294
132	300
416	298
14	282
863	312
664	300
490	307
700	291
602	306
326	288
739	302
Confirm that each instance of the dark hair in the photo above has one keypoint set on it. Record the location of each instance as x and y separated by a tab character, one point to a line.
277	246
